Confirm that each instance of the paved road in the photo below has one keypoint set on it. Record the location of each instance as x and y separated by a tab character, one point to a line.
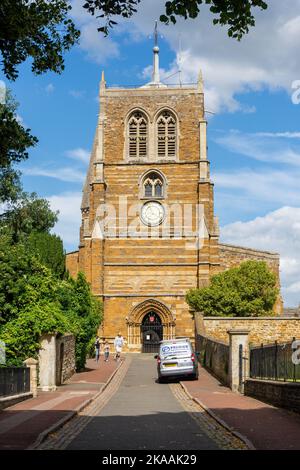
143	414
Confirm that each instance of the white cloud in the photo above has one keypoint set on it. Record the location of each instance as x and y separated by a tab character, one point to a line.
278	231
79	154
284	135
97	47
70	175
77	93
264	147
20	120
263	186
68	205
50	88
265	58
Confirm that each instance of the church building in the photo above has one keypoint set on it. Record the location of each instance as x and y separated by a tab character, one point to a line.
149	231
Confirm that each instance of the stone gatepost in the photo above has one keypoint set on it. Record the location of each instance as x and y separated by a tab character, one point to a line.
32	363
47	363
238	359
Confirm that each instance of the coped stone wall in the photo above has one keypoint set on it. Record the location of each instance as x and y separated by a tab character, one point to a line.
214	356
231	256
262	330
283	394
65	358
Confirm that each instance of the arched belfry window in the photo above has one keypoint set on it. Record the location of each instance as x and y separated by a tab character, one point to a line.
138	135
153	185
166	135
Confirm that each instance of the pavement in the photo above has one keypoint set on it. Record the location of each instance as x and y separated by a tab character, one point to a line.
126	408
265	426
138	413
22	424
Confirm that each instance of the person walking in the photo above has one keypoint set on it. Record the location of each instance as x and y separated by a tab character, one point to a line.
118	343
97	348
106	350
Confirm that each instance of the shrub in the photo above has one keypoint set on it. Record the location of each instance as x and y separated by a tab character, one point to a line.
248	290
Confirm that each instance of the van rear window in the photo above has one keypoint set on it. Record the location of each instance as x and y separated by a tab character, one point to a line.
175	348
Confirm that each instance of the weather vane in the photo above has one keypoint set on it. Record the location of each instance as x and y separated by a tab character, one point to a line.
156	34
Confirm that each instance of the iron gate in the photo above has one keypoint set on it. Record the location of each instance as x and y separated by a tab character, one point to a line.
151	333
14	380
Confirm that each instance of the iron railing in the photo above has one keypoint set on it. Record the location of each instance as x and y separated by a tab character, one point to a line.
274	362
14	381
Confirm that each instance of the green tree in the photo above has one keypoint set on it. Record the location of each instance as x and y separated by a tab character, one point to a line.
40	30
34	301
83	310
27	214
248	290
48	249
14	143
23	280
22	334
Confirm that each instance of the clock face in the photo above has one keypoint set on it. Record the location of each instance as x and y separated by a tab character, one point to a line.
152	213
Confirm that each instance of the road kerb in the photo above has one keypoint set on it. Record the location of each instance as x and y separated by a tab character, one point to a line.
43	435
219	420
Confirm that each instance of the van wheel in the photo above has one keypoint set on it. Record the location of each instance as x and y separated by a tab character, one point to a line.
160	380
195	377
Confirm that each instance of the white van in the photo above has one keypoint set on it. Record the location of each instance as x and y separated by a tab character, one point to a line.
176	358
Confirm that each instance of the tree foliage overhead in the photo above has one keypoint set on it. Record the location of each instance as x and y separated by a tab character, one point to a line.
38	29
14	143
43	30
246	291
236	14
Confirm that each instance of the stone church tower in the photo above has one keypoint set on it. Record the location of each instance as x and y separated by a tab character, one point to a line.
148	231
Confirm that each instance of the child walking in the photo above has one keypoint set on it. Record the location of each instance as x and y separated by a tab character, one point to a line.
106	350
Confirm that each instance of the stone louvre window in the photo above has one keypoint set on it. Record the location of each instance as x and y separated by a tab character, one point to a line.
138	133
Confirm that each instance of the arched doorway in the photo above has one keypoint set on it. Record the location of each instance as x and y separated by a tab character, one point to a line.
150	317
151	332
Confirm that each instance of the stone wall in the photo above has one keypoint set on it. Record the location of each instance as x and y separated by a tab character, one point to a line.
72	263
231	256
214	356
282	394
65	358
291	312
56	360
262	330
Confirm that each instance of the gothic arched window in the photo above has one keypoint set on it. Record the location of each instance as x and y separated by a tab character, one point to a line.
138	135
166	135
153	185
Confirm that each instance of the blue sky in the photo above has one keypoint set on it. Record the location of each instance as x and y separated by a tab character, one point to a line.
253	135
